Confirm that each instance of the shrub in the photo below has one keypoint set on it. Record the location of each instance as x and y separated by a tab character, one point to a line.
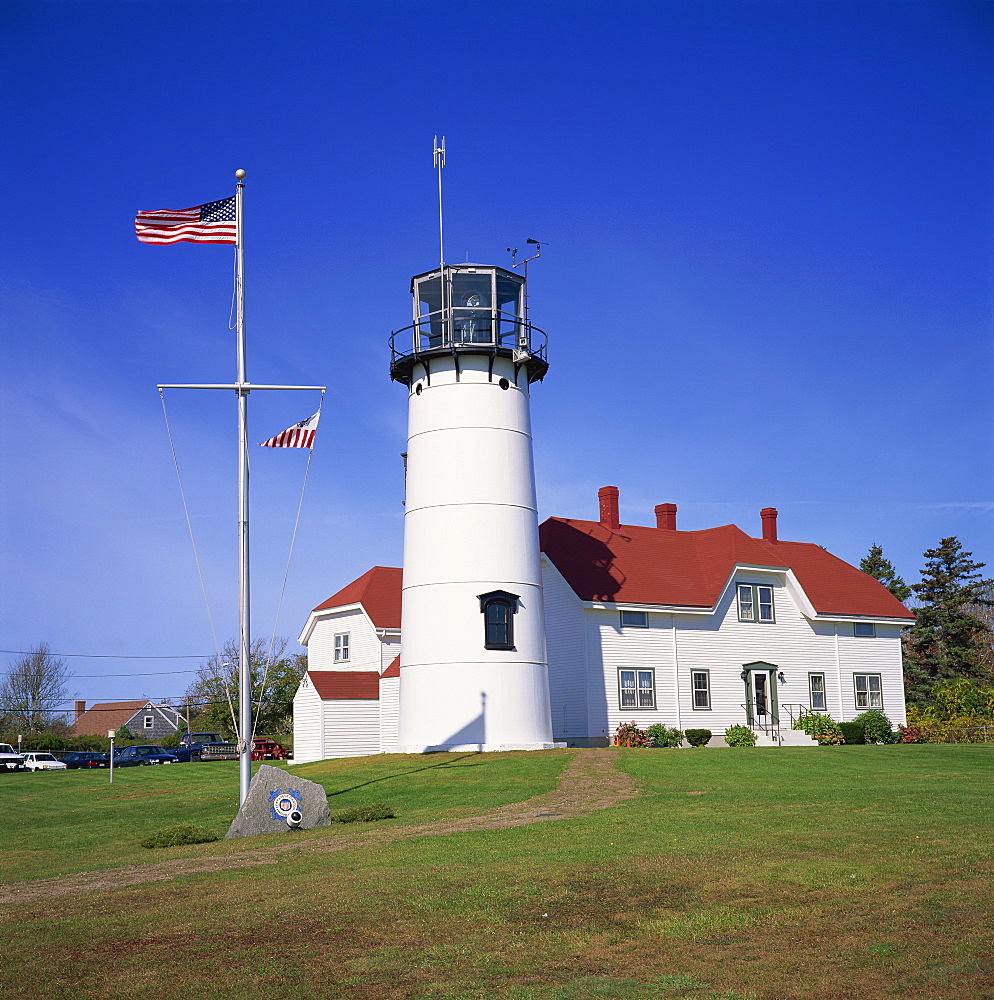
923	727
698	737
852	733
182	834
740	736
363	814
821	727
912	734
876	726
664	737
629	735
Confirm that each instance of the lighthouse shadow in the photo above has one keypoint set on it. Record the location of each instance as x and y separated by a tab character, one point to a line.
414	770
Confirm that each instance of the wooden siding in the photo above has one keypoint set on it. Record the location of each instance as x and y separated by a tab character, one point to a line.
164	723
879	654
351	728
365	650
307	741
674	645
566	657
389	713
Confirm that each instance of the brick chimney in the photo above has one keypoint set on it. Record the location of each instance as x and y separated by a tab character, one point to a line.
80	710
607	496
769	516
666	516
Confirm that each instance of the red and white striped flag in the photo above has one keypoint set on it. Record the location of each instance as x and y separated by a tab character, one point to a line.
299	436
211	223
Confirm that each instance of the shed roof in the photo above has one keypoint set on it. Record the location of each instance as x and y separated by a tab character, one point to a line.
346	685
393	670
378	591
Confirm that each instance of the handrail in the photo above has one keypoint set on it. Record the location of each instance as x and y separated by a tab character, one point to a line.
522	342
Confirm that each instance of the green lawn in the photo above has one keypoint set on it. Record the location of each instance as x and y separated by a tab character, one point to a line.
69	821
833	873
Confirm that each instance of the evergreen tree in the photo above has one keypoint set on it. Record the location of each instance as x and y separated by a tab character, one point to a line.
947	639
874	564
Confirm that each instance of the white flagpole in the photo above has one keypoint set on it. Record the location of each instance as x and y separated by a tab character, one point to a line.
242	388
244	606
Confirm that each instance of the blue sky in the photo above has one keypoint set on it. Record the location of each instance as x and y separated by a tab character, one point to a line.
767	282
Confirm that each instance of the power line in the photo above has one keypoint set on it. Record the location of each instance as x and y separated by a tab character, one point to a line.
146	673
115	656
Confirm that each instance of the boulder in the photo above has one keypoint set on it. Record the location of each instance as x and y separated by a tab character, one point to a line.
280	802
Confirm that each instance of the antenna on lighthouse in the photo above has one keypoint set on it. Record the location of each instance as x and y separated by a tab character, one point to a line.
439	163
538	253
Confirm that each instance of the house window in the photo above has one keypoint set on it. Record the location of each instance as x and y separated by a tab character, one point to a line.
755	603
868	691
639	619
865	629
816	690
149	721
700	681
341	647
636	689
498	609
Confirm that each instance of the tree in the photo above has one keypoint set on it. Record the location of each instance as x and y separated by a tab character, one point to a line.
947	639
874	564
213	696
34	690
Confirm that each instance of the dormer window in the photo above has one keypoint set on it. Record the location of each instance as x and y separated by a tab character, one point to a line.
498	609
755	603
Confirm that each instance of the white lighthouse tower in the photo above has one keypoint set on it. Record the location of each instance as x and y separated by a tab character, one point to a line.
473	661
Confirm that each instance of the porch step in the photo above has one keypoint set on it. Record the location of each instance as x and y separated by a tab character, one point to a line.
788	738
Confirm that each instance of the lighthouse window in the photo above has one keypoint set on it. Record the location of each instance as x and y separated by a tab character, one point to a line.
498	610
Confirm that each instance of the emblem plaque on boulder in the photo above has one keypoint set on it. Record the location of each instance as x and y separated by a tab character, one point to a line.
279	802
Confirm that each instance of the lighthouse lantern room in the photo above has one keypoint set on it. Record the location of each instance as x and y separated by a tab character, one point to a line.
473	660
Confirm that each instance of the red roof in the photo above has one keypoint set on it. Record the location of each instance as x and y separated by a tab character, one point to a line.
104	716
378	591
346	685
393	670
639	565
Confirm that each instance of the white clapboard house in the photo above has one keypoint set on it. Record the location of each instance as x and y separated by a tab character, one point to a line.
692	629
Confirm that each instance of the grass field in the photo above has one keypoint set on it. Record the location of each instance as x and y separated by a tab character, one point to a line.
824	874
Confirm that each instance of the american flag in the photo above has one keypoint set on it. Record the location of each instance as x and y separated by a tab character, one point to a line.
299	436
210	223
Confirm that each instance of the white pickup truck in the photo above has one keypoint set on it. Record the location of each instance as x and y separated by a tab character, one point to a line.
9	760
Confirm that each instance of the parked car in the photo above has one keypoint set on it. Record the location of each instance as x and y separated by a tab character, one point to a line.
205	746
140	756
42	762
85	759
9	760
264	748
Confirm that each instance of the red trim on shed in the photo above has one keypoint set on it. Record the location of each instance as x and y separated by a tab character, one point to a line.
346	685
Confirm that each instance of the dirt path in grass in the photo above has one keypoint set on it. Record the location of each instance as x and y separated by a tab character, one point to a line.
591	781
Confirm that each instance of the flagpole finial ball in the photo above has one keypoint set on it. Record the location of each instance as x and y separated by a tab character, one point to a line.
240	175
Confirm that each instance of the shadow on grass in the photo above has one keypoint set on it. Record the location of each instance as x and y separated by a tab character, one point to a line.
404	774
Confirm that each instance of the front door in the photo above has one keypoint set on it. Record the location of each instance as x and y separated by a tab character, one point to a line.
761	695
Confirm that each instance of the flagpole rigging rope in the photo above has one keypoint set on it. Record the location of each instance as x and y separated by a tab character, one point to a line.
286	574
232	324
189	525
